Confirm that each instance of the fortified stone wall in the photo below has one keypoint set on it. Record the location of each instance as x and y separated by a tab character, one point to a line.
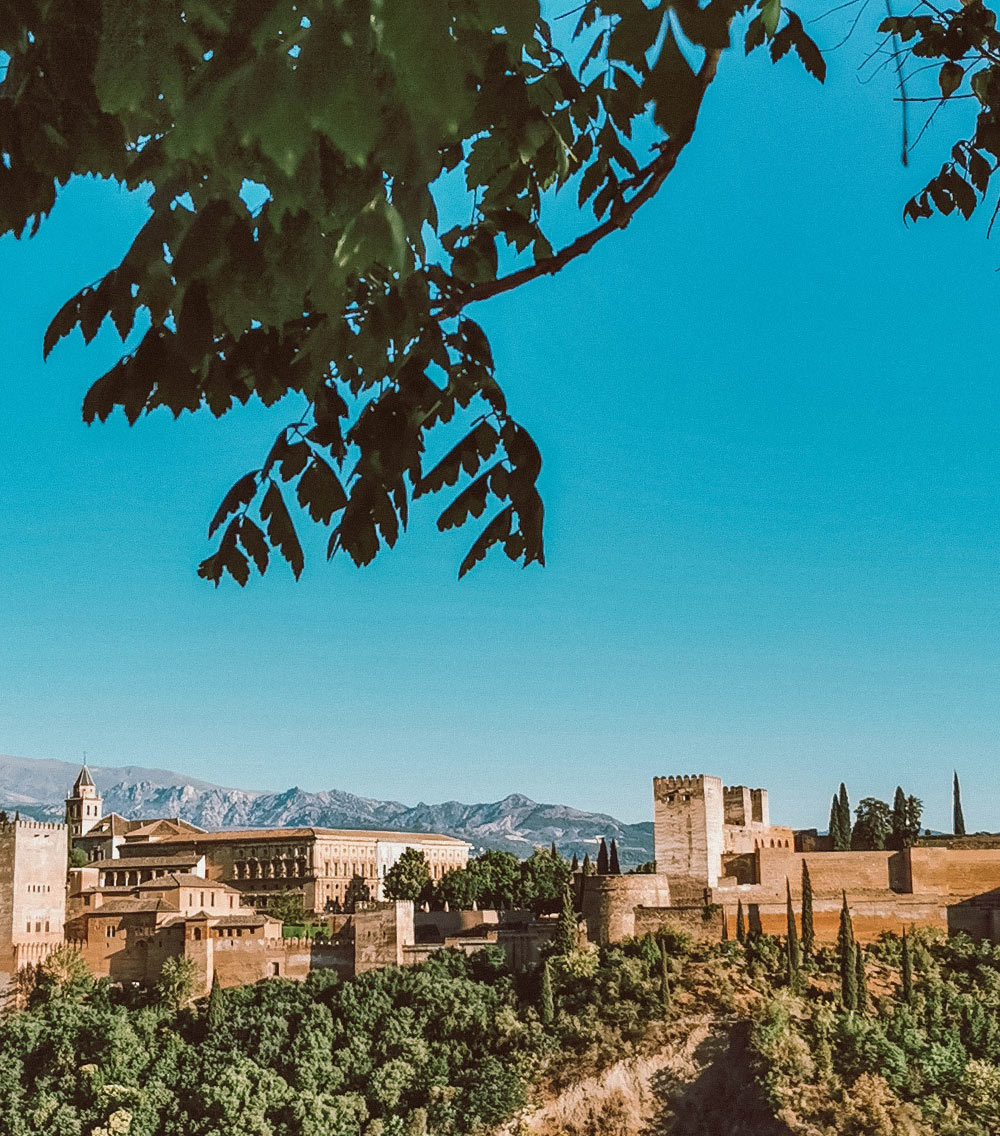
241	961
954	871
870	917
609	903
697	920
830	872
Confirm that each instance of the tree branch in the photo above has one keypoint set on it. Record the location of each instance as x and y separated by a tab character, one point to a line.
653	176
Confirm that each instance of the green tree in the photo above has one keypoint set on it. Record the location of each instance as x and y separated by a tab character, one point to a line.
287	906
808	933
575	865
906	971
665	994
848	960
872	826
836	837
860	979
64	975
357	891
741	931
905	825
614	868
792	956
567	935
177	981
499	877
546	999
543	880
215	1015
844	829
588	867
78	858
328	289
408	877
958	817
461	889
602	859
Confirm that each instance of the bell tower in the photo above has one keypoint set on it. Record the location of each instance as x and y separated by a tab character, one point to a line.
83	805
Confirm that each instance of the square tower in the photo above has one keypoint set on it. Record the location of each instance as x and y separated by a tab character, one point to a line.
688	816
32	889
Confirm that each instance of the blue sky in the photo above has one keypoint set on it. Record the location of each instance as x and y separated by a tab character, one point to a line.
768	416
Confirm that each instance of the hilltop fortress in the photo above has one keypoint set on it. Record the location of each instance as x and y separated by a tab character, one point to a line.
160	888
716	850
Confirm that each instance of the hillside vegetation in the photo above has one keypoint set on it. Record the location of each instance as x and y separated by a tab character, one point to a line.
660	1036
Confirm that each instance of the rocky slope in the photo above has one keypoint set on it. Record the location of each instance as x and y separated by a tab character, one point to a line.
515	824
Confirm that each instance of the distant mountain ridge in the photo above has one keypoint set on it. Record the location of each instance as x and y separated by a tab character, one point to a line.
515	824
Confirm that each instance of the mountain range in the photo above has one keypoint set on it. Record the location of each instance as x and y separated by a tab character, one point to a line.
38	787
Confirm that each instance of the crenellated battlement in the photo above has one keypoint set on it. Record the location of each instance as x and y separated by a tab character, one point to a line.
20	825
681	780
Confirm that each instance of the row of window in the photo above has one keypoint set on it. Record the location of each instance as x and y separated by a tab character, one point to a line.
38	888
38	926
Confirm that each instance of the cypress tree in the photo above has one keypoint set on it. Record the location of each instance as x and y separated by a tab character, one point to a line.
808	934
216	1017
602	859
835	837
565	939
741	931
588	867
907	971
575	866
845	819
959	819
897	835
613	866
553	852
725	926
860	978
848	959
791	940
546	1000
664	978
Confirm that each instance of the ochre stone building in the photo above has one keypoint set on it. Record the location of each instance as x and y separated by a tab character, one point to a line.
316	863
716	850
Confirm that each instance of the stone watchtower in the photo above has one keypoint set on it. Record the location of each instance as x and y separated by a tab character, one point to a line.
83	805
688	819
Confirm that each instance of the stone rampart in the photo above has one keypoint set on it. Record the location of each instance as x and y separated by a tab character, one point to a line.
609	903
699	921
954	871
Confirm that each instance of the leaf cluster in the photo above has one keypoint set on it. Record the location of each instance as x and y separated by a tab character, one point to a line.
345	288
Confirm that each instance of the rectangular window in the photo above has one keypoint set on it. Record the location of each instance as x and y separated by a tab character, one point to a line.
27	926
38	926
46	926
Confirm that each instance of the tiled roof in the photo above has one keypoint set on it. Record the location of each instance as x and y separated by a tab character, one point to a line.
249	835
83	780
179	859
166	827
128	907
184	879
